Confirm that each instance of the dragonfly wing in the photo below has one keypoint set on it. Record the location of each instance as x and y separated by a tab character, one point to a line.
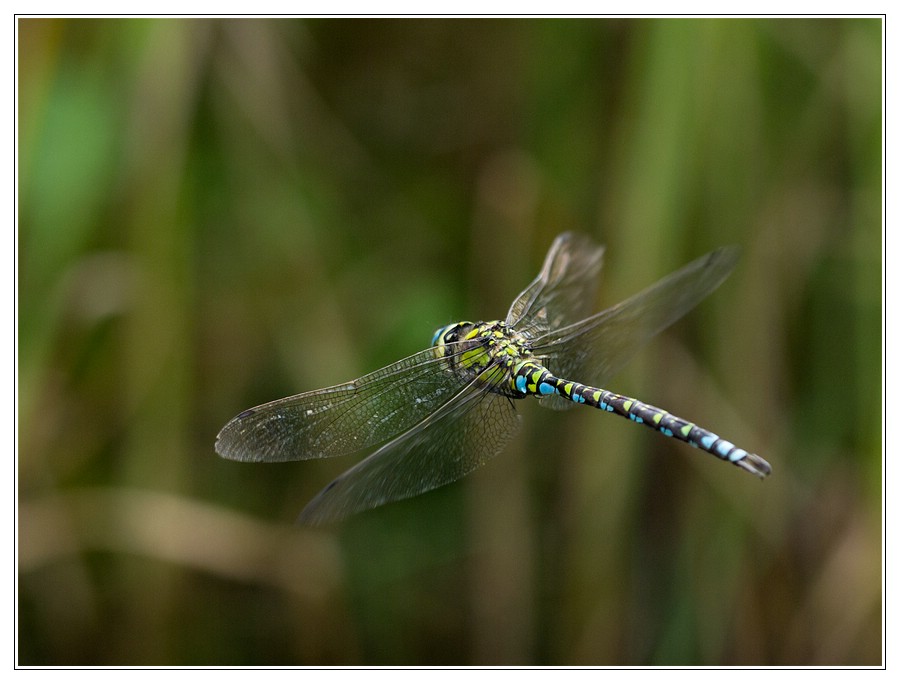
344	418
564	291
593	350
462	435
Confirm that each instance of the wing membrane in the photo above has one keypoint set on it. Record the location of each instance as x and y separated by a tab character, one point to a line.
593	350
341	419
565	289
463	434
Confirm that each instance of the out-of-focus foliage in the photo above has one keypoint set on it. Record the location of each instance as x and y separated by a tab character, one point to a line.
217	213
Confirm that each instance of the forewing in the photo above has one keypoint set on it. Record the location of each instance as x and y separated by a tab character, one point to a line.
565	289
462	435
593	350
344	418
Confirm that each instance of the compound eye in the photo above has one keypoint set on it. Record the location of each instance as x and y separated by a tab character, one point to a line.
449	333
440	335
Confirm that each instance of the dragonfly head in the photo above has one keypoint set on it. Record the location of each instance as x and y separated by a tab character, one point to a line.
450	333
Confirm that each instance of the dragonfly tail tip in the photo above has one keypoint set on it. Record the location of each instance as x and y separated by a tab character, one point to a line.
756	465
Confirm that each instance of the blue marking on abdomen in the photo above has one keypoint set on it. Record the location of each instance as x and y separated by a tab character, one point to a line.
724	447
736	455
546	388
708	440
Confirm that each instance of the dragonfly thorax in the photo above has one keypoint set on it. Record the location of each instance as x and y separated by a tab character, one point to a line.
471	348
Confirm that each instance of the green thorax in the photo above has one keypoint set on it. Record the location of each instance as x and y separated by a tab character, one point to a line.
473	348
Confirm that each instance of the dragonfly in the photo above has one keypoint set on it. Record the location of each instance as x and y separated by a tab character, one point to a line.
439	414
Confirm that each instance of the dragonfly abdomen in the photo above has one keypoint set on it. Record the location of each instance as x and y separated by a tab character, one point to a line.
532	378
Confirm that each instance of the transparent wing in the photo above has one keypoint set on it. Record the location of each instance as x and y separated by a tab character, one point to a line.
593	350
462	435
342	419
565	289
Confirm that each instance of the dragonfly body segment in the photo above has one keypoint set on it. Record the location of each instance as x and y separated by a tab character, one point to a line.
439	414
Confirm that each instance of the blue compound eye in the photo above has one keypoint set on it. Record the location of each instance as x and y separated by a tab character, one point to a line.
438	334
449	333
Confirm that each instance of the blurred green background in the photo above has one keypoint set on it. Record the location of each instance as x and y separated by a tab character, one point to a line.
218	213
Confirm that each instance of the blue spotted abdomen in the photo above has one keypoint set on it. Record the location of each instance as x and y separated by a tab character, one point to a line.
531	378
